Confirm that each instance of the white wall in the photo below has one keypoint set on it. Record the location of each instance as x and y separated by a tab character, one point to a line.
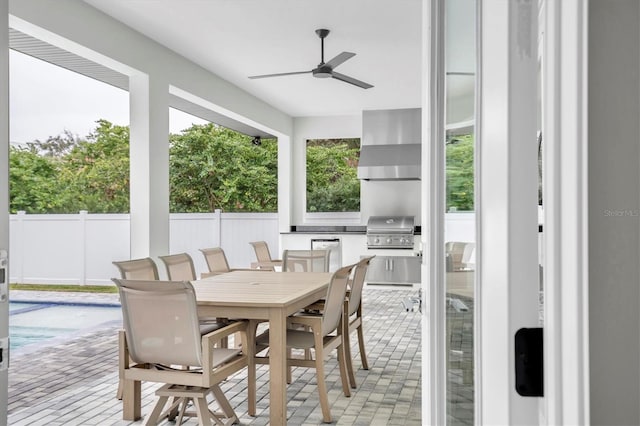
614	206
377	197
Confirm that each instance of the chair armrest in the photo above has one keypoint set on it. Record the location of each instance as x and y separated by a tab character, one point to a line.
213	337
305	319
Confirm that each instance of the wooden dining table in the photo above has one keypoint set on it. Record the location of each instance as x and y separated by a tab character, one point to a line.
262	295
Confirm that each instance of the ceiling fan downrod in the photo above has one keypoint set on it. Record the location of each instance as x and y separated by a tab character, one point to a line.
322	33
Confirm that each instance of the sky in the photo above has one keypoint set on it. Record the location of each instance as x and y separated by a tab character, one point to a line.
45	100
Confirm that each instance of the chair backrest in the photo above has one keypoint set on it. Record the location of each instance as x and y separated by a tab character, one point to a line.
335	299
467	253
216	259
262	251
357	284
161	322
138	269
179	267
305	260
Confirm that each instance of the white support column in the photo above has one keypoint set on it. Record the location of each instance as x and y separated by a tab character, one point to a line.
507	293
4	185
285	186
149	186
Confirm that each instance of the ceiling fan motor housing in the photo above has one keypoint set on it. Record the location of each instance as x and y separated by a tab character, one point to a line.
322	71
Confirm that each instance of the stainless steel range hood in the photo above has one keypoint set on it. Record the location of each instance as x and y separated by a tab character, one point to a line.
389	162
391	145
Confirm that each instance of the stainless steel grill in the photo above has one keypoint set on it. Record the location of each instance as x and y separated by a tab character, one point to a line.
385	232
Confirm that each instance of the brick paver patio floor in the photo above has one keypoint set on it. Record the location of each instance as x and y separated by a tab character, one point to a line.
74	382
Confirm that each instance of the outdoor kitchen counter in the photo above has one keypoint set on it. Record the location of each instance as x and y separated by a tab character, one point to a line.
353	241
348	229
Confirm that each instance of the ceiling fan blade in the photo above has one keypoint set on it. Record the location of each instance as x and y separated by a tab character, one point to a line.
351	80
279	74
340	59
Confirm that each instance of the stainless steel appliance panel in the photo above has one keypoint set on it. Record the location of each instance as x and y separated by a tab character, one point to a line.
403	270
390	232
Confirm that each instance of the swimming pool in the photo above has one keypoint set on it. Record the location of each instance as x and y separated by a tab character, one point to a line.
34	322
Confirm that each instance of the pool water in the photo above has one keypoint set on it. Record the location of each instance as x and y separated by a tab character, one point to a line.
37	322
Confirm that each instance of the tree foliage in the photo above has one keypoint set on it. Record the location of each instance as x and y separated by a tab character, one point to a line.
332	177
460	173
212	167
95	173
32	181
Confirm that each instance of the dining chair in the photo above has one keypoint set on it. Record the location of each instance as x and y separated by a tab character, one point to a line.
459	255
353	322
320	338
179	267
263	256
162	335
353	319
138	269
217	262
305	260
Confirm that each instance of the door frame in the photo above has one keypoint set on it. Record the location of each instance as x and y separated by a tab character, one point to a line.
506	238
433	204
565	182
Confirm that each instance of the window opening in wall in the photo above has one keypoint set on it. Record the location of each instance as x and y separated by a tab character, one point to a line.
332	175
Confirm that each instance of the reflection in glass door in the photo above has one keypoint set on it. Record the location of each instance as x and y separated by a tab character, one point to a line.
460	222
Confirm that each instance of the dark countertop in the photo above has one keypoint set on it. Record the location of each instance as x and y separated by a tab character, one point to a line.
330	229
308	229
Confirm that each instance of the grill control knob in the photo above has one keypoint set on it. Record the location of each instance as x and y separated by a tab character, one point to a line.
376	240
388	241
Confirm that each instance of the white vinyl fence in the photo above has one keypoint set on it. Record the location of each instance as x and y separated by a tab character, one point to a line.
79	248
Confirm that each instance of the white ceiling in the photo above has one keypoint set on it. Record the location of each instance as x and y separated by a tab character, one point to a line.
238	38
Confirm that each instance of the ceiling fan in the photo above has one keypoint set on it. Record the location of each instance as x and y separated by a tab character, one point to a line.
325	69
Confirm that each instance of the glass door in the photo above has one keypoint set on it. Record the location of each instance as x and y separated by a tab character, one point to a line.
459	216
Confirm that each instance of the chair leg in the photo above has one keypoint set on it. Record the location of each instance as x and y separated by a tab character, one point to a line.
342	363
202	409
363	355
346	344
120	390
224	404
322	386
179	410
154	417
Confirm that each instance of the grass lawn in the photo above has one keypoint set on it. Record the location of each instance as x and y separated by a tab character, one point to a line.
66	287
